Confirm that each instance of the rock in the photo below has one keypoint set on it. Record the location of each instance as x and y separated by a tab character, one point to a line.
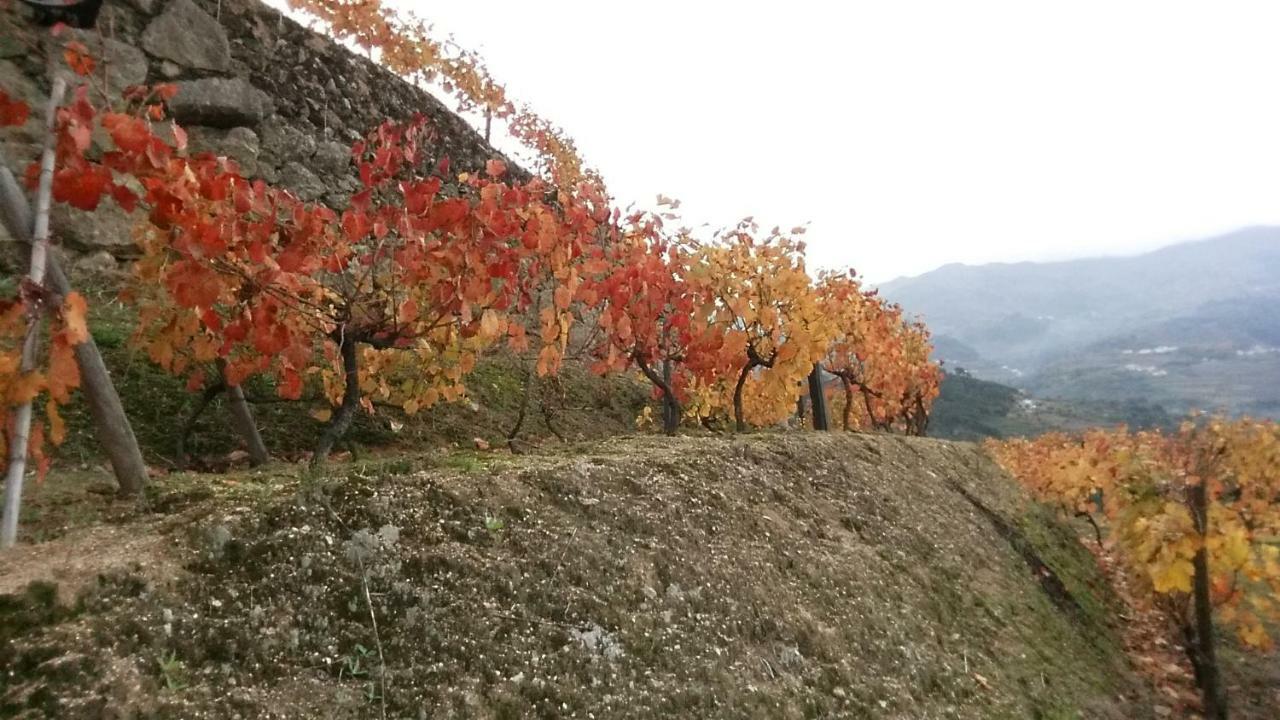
108	228
239	144
268	173
17	35
216	539
10	46
18	85
282	142
170	70
332	158
298	179
318	44
146	7
339	198
123	64
189	37
219	102
98	263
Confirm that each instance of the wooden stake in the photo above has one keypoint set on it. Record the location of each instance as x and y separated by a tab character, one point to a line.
21	419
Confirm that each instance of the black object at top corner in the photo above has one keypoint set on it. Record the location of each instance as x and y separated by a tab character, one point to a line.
76	13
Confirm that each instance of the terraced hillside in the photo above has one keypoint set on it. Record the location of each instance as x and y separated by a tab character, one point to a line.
763	576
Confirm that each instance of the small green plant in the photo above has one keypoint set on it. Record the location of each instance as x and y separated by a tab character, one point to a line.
353	665
172	671
466	462
107	336
494	524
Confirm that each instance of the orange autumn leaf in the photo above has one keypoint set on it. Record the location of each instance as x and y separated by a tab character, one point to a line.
74	318
78	58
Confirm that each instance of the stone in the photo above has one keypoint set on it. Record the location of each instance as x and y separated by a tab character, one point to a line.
17	34
98	263
282	142
219	102
19	86
189	37
332	158
299	179
123	64
146	7
239	144
339	199
169	69
108	229
10	47
20	144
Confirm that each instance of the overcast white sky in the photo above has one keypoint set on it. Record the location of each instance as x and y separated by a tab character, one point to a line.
912	133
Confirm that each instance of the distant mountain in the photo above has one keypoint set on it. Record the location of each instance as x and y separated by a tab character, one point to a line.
1224	355
1190	325
972	409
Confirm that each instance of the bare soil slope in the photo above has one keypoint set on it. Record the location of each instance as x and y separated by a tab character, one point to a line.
778	576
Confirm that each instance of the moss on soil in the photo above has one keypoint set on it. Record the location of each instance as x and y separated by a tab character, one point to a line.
768	575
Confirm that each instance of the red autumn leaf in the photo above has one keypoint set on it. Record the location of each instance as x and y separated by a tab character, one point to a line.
196	381
211	320
495	168
129	133
12	111
290	386
124	197
82	189
193	285
355	225
408	311
81	135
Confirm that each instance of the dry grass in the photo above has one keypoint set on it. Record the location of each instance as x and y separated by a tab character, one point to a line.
711	577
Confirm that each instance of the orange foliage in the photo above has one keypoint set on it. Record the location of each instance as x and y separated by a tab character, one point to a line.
758	296
881	360
1145	486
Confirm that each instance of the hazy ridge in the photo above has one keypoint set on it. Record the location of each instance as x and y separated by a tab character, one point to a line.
1192	325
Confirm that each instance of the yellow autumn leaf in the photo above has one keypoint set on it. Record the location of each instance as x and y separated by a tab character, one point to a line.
1173	577
1252	633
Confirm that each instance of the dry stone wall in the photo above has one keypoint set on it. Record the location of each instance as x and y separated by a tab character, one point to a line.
253	85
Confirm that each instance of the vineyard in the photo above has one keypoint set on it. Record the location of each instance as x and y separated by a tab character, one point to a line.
1193	517
431	283
391	301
